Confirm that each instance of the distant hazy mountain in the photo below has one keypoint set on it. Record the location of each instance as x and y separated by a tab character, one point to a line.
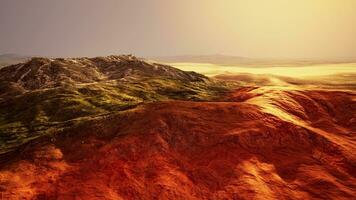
10	59
214	59
238	60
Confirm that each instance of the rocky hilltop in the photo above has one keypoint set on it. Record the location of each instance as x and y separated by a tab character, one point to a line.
43	94
39	73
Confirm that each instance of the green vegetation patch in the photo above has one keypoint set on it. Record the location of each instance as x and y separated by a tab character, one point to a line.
43	112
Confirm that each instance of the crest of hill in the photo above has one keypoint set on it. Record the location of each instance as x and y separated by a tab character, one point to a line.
44	96
38	73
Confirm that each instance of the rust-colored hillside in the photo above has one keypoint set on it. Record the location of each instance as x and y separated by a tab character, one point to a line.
255	143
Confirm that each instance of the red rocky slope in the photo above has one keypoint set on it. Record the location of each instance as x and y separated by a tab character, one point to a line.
260	143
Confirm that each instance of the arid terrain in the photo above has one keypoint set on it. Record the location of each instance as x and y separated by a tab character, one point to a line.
119	127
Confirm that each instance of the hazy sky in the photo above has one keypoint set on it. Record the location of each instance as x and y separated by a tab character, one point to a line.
252	28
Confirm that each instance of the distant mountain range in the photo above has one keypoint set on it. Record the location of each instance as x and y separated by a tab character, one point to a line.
238	60
10	59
